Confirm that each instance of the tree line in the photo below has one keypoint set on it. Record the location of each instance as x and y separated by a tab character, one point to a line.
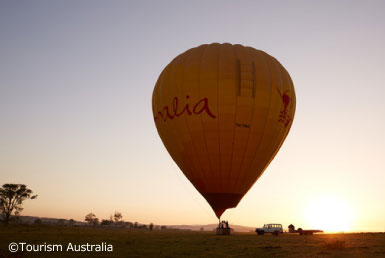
117	219
12	197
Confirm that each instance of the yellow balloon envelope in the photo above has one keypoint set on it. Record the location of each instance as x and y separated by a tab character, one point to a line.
223	111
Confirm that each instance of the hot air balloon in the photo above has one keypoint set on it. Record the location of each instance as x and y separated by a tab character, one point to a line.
222	112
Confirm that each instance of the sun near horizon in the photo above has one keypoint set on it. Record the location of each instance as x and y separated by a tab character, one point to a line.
329	213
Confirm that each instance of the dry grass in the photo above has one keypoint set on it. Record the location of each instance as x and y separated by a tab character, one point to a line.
128	243
336	244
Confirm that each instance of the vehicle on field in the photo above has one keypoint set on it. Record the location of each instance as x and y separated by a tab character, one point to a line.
303	231
274	229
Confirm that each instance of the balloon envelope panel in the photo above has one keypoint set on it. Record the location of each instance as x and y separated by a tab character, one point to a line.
223	111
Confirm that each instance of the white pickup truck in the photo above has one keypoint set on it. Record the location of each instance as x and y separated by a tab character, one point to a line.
274	229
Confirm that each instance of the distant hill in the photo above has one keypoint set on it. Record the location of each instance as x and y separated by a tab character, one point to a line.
31	219
208	227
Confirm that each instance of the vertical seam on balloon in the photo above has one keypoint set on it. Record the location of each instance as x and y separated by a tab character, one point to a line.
165	126
203	129
291	85
169	127
272	153
279	141
242	176
254	77
278	65
187	125
267	115
189	169
179	142
175	63
235	120
295	99
284	72
239	77
160	98
219	134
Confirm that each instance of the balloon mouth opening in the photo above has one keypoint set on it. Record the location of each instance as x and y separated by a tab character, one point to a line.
220	202
219	212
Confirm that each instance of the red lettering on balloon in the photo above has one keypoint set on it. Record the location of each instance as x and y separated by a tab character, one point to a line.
205	107
200	107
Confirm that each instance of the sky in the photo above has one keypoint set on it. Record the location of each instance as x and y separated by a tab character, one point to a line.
76	124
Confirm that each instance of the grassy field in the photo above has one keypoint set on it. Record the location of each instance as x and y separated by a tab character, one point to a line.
135	243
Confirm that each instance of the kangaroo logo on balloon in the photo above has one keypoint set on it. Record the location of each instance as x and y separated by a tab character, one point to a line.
200	107
283	115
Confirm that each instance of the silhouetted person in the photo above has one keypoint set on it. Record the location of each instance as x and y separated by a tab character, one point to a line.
227	224
291	228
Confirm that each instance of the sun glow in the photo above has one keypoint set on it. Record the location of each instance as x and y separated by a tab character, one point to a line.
329	213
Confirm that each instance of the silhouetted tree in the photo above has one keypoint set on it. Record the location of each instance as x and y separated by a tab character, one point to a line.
106	222
71	222
151	226
37	222
117	217
90	218
11	199
95	221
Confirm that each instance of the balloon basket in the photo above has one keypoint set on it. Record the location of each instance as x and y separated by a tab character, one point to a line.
223	231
